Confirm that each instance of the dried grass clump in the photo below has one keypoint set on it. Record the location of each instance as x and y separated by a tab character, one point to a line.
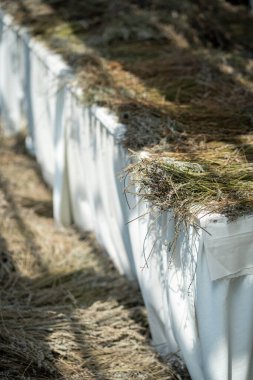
189	188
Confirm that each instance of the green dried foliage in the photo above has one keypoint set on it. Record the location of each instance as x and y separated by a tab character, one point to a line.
189	188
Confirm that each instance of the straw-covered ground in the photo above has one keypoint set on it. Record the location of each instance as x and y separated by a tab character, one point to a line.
65	313
179	74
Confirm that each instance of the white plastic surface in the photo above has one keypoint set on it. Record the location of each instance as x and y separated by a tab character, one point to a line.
209	321
223	247
95	161
47	75
12	71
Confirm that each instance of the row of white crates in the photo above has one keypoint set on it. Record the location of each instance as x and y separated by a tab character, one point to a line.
199	301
